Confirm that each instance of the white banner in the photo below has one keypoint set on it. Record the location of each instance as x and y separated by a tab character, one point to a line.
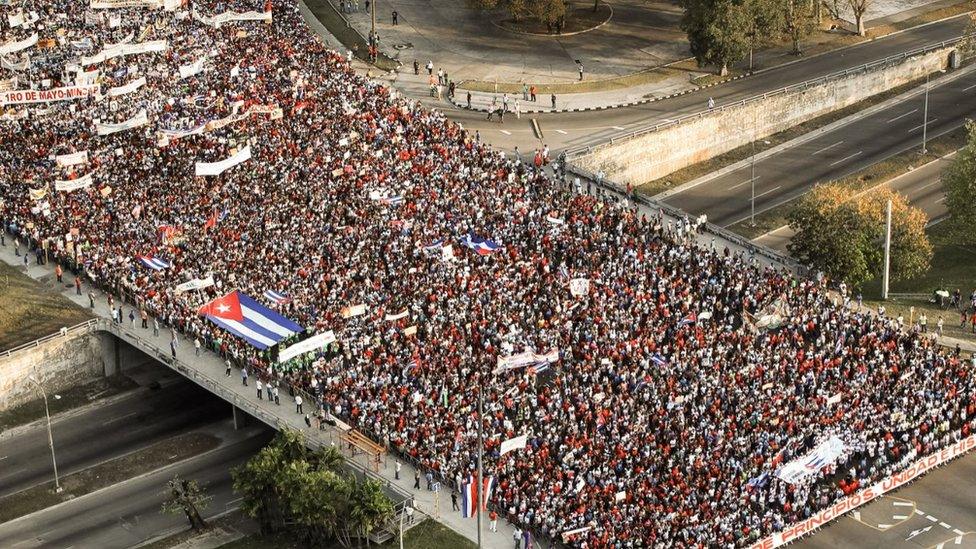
527	358
47	96
516	443
402	314
122	50
119	4
218	123
87	78
195	284
192	69
217	168
797	530
128	88
21	65
355	310
228	16
139	119
73	184
16	19
313	343
11	47
579	286
65	160
826	453
8	84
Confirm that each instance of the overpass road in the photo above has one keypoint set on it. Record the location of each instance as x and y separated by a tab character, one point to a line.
570	130
836	154
125	425
128	513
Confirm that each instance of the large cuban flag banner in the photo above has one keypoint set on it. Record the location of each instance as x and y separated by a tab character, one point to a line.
244	317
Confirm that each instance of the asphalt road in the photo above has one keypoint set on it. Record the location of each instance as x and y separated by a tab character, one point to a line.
127	514
938	511
569	130
835	154
100	433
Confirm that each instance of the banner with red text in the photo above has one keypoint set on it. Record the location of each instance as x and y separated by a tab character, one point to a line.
67	93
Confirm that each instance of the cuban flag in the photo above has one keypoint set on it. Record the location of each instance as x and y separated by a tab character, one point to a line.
469	498
277	298
656	358
489	485
391	200
435	245
690	319
481	246
154	263
758	482
244	317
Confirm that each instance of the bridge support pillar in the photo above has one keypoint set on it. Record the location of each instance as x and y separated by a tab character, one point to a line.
240	418
111	359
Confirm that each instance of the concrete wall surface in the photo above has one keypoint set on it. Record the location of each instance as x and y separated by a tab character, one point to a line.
57	363
655	154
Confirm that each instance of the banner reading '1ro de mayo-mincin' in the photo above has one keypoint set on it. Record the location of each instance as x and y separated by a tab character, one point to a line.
12	97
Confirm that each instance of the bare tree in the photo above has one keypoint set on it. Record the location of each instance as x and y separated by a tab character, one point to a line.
859	8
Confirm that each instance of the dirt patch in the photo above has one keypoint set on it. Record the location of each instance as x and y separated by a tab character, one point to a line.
106	474
579	18
30	310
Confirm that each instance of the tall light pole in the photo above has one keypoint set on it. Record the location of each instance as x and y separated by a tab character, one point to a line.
925	116
887	252
480	486
50	436
752	180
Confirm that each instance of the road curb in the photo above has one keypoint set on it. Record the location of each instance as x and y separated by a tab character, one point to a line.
809	136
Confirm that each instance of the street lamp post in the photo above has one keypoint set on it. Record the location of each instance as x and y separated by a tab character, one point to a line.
50	435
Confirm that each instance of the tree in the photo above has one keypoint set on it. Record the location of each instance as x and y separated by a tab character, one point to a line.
799	22
766	21
843	236
967	47
959	182
186	496
718	31
370	507
859	8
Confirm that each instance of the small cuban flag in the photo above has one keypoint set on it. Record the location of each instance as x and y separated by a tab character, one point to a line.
481	246
391	200
276	297
435	245
154	263
690	319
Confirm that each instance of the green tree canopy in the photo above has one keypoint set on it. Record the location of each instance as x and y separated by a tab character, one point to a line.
718	31
959	182
843	236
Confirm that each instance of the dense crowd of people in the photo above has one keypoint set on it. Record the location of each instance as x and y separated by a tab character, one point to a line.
668	412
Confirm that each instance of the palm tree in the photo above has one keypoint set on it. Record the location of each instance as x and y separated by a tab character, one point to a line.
370	507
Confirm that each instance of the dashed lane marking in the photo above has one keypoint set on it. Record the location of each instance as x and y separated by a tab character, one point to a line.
506	132
903	504
769	191
900	517
619	128
930	517
845	159
958	531
900	116
930	122
737	185
828	147
969	88
561	131
944	525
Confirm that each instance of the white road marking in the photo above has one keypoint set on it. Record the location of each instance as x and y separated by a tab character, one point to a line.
944	525
941	200
936	182
900	116
858	153
958	531
930	517
969	88
561	131
505	132
902	503
900	517
743	183
930	122
857	515
884	526
619	128
940	546
769	191
959	540
828	147
917	532
919	512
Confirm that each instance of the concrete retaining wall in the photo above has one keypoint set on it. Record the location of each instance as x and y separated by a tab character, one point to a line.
58	363
655	154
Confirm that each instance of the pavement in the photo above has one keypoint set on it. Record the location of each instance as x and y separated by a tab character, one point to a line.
141	419
936	512
128	513
843	150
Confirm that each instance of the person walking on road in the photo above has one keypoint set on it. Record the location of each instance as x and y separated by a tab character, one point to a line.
525	91
469	100
454	505
196	346
553	101
518	109
493	517
711	103
257	383
172	347
58	272
227	367
155	326
298	404
276	398
244	376
416	480
396	470
395	18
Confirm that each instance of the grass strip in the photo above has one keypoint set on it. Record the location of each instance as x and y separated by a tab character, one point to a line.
75	397
429	534
326	13
106	474
30	309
